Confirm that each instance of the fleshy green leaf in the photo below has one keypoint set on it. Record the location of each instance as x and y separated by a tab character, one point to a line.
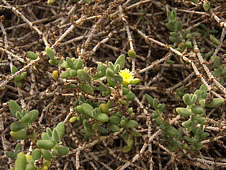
198	146
30	166
203	88
36	154
18	147
215	102
30	117
198	110
87	88
34	115
87	109
18	78
171	15
110	73
61	150
188	44
178	26
102	130
183	111
161	107
49	132
18	84
83	75
114	128
112	81
131	124
126	149
110	65
115	119
125	90
45	144
129	145
15	126
46	154
130	96
70	63
200	120
14	69
64	65
135	81
45	136
204	135
101	70
155	114
190	139
202	102
32	55
50	52
102	117
23	75
20	135
55	136
21	162
117	68
65	74
11	154
214	40
14	107
201	94
105	91
123	122
60	129
189	99
79	110
149	99
171	26
72	73
78	63
187	123
155	103
121	60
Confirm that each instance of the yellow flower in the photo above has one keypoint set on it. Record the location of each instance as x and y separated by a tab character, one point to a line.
126	75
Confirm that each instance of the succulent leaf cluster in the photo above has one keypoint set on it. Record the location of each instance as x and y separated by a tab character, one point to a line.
192	132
